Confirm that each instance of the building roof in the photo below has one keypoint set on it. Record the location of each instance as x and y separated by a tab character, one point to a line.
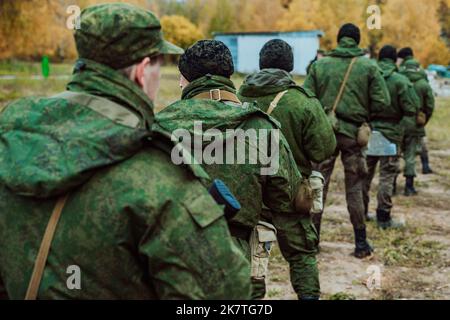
301	33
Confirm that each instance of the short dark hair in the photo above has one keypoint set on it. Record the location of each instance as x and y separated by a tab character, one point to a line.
206	57
406	52
277	54
351	31
388	52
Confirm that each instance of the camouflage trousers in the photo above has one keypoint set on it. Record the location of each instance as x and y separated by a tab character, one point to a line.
423	147
411	146
303	268
389	169
355	169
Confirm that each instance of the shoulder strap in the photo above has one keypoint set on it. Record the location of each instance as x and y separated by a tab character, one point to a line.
275	102
114	111
341	90
41	259
218	95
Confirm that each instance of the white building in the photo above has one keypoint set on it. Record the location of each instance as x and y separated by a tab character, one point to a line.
245	47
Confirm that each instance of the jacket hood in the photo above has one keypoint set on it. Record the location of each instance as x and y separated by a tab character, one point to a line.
186	113
388	67
347	48
266	82
412	69
49	146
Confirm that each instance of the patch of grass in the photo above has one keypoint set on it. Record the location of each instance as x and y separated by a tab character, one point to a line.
272	293
340	296
406	248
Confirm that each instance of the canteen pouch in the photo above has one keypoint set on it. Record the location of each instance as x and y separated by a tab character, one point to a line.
364	133
421	119
261	240
317	183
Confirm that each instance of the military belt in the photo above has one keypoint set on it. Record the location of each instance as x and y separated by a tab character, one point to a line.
218	95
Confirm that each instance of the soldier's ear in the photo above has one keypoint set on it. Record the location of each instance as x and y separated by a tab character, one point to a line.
140	72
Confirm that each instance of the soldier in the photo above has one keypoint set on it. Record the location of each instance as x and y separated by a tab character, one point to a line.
349	85
403	110
133	225
413	135
320	54
303	121
209	97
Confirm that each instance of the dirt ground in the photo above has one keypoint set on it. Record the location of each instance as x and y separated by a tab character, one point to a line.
413	263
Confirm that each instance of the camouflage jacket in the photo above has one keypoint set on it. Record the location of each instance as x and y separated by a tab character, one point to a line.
403	108
365	90
303	121
136	225
296	234
411	69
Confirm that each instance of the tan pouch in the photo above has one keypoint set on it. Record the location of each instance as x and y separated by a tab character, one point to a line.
364	133
261	241
304	198
421	119
333	120
317	182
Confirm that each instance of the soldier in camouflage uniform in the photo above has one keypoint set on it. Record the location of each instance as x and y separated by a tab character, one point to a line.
209	96
303	121
403	110
365	91
137	226
415	134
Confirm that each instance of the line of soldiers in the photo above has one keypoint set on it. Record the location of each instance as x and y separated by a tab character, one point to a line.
94	163
394	96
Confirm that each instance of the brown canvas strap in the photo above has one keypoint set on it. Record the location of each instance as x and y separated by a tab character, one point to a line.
41	259
341	90
275	102
218	95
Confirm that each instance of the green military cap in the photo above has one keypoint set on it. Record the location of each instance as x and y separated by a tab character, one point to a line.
120	34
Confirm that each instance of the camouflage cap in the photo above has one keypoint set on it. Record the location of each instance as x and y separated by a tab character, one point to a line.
206	57
120	34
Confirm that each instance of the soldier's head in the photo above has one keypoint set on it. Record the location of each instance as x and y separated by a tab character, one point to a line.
125	38
276	54
403	54
388	52
349	30
205	57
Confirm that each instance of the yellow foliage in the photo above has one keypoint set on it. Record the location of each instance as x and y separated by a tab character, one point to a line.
180	31
416	26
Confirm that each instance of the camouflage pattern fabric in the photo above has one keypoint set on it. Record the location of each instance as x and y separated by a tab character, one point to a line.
404	106
355	169
411	69
303	121
411	147
366	89
137	226
389	169
120	34
296	235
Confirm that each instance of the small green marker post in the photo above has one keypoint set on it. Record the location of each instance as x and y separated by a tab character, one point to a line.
45	67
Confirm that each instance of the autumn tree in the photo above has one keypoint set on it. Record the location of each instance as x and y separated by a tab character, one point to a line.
180	31
416	26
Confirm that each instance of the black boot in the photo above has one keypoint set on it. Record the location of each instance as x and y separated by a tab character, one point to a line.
425	164
385	221
362	247
409	187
